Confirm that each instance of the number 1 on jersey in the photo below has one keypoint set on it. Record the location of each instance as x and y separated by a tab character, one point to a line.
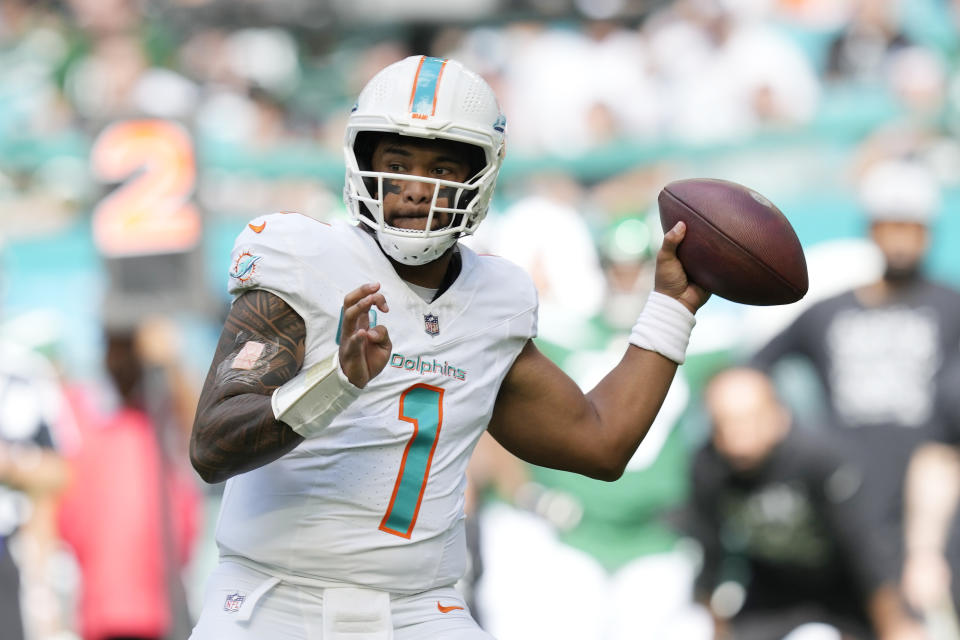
422	406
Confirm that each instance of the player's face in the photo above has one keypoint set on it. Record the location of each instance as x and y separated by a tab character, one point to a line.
748	419
406	203
903	245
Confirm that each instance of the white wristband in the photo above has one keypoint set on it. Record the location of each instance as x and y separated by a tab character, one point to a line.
664	326
314	397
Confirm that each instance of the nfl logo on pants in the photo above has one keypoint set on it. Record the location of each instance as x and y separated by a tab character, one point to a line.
431	324
233	603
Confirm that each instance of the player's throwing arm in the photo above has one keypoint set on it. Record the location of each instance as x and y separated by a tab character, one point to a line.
720	237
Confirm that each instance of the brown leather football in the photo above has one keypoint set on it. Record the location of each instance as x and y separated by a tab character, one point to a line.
738	244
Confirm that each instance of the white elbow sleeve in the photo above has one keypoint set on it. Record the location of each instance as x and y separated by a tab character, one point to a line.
314	397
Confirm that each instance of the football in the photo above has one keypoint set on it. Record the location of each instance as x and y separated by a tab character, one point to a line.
738	244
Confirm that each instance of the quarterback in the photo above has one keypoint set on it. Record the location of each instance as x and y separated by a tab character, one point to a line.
360	363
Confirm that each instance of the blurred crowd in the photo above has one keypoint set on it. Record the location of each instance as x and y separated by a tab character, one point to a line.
779	492
266	93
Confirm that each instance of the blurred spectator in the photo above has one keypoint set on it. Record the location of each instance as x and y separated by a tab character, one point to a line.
107	17
861	51
878	349
531	64
820	15
932	520
548	112
31	476
626	572
917	77
728	75
115	80
546	235
627	249
931	555
493	472
32	46
132	509
785	546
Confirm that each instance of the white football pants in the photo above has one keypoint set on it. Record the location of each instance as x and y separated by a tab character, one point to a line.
241	603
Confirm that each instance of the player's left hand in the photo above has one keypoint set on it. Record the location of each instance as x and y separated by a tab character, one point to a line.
670	278
364	350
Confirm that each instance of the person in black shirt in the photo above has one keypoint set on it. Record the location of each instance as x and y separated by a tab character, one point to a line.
878	350
773	506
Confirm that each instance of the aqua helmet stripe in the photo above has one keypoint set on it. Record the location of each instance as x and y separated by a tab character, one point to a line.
426	84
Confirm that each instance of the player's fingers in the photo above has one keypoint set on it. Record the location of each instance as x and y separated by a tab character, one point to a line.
360	293
351	345
352	359
350	312
380	302
702	293
673	237
357	315
348	322
378	335
353	356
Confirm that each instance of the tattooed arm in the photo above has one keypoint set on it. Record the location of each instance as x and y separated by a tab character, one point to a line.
261	347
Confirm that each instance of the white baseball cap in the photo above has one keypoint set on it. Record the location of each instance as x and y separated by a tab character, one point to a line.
899	191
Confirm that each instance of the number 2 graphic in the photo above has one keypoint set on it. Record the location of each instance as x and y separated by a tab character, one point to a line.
151	212
422	406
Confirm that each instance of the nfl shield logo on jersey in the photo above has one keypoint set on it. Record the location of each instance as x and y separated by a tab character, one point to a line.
431	324
233	603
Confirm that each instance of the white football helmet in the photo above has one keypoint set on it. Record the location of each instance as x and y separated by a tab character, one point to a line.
432	98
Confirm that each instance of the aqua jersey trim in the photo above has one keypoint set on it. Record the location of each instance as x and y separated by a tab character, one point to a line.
373	323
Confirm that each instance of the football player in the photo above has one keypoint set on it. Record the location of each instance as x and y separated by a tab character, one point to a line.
359	365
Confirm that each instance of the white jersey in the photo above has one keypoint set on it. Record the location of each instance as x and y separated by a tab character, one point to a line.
376	499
